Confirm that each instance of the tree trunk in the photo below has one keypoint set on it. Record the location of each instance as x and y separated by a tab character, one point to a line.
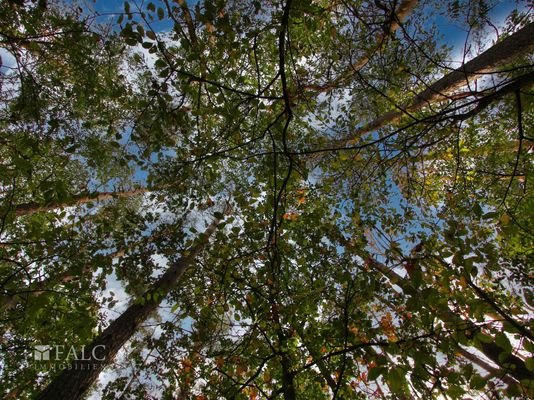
401	12
504	52
494	372
510	364
82	198
74	381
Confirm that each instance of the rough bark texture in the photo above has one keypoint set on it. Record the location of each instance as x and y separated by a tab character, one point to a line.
73	382
516	45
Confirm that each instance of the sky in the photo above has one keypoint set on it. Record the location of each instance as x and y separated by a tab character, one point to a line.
453	34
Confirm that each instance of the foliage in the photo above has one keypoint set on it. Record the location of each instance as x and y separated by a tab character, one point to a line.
365	256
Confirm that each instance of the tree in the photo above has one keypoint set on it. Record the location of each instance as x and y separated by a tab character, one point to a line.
73	383
379	243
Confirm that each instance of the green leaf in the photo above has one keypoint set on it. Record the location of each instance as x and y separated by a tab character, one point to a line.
503	342
374	373
455	391
477	382
491	215
483	338
417	277
160	63
477	210
396	380
140	30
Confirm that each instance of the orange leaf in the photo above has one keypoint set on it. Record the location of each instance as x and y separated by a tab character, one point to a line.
290	216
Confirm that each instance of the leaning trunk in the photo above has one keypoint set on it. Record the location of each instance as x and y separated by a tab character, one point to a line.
73	382
516	45
509	363
398	16
79	199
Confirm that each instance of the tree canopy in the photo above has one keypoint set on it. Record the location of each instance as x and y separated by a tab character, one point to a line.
266	199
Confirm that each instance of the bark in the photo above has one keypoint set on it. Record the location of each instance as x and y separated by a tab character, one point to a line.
13	394
504	52
74	381
487	366
79	199
401	13
288	386
522	82
189	22
511	364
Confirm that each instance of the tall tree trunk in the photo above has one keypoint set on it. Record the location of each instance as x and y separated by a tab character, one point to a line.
494	372
509	364
504	52
73	382
81	198
288	384
390	26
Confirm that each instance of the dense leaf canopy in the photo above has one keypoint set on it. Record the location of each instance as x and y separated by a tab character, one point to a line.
271	199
